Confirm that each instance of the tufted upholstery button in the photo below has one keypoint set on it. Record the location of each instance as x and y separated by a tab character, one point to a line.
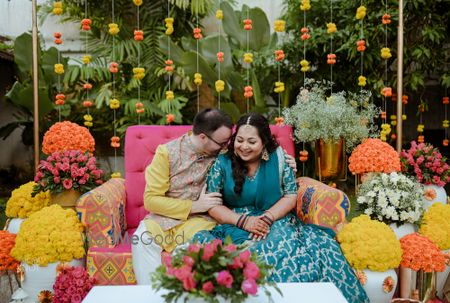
139	136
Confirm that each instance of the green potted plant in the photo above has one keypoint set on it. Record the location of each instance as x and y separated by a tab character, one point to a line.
335	121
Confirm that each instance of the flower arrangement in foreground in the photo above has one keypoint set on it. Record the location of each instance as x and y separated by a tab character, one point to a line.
67	136
370	244
211	270
49	235
436	225
71	169
331	117
22	204
7	242
374	155
426	164
420	253
72	284
391	198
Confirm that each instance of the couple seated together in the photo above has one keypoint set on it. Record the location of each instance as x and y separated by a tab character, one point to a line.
213	183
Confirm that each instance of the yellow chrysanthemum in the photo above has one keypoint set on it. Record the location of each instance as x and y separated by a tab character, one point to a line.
220	86
114	104
22	204
370	244
49	235
436	225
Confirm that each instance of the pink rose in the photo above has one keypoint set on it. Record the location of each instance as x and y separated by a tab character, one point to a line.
230	247
67	183
208	252
249	287
194	248
57	180
237	263
98	182
208	287
166	259
76	298
188	261
251	271
82	181
224	278
189	282
245	256
65	166
183	272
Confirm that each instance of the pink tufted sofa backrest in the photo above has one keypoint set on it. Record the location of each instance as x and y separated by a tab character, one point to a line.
141	142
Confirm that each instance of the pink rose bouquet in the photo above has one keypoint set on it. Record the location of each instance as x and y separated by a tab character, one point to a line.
210	270
71	285
425	163
65	170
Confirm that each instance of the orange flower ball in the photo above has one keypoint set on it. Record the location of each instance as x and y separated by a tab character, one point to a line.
67	136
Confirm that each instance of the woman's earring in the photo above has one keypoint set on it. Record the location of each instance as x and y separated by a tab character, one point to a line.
265	155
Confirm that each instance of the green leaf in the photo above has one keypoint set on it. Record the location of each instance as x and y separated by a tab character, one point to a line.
259	36
231	109
208	48
189	60
23	55
232	25
257	95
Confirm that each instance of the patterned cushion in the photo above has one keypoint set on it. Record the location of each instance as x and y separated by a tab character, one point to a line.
320	204
102	211
111	266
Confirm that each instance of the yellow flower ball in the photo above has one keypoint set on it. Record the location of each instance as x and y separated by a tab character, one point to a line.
305	5
114	104
248	57
436	225
198	79
22	205
362	81
49	235
220	86
219	14
361	12
331	28
59	68
279	87
113	29
169	95
86	59
279	25
137	2
57	8
386	53
370	244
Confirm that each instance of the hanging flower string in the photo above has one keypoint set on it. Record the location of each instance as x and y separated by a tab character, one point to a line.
219	84
248	59
331	57
305	31
361	45
58	67
197	76
386	91
445	123
86	59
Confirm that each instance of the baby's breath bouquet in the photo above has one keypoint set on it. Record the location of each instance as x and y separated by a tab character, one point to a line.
320	114
391	198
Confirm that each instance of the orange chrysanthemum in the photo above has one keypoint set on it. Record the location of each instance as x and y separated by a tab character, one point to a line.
66	135
361	276
7	242
388	284
420	253
374	155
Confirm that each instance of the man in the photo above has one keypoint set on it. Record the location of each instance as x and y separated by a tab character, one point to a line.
175	191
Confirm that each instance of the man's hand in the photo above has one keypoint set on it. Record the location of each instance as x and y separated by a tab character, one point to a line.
206	201
290	161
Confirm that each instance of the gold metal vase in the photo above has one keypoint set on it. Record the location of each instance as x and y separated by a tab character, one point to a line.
67	199
330	158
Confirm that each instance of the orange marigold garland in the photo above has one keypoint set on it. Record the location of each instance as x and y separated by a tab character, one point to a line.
374	155
67	136
420	253
7	242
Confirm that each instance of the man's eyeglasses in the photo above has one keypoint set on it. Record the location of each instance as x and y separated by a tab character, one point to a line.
222	145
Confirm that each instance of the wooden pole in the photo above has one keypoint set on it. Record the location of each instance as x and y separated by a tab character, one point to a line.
35	46
399	76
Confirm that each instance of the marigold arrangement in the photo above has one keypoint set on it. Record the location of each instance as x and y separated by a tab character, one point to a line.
420	253
436	225
70	169
72	284
7	242
391	198
67	136
49	235
426	164
370	244
210	270
22	204
374	155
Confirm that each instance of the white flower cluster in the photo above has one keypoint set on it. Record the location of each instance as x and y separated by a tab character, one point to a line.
391	198
320	114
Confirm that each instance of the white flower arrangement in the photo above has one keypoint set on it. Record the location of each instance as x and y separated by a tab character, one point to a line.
391	198
320	114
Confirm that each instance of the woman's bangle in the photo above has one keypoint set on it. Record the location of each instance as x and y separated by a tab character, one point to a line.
273	217
239	221
244	221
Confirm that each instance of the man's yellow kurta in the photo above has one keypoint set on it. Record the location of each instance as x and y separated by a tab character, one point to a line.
174	180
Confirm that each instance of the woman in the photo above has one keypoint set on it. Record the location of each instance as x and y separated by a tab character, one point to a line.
259	193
